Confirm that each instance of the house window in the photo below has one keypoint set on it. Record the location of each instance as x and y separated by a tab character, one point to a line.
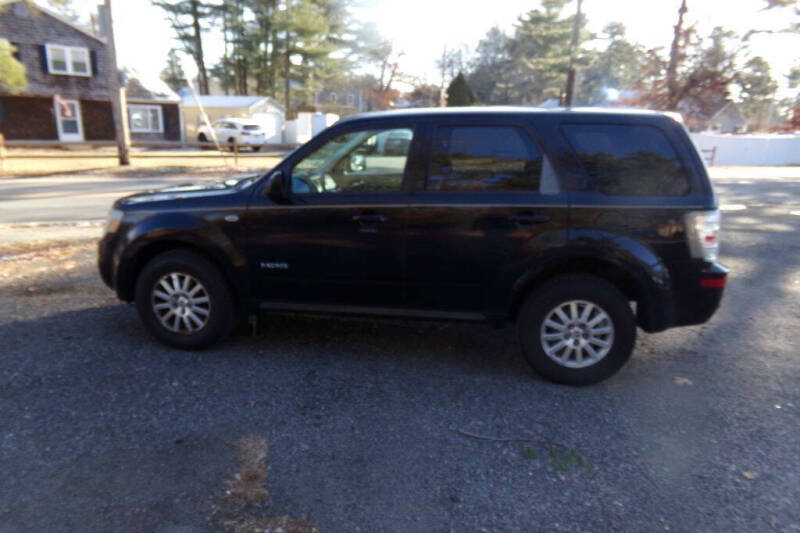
146	118
68	60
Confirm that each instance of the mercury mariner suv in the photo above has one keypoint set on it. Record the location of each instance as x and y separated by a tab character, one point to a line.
577	225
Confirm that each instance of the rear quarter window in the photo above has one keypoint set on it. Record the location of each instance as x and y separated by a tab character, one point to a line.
628	160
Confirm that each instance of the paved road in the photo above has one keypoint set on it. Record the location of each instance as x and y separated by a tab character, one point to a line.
70	198
104	429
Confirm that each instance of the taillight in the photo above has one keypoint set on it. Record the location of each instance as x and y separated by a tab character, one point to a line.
702	232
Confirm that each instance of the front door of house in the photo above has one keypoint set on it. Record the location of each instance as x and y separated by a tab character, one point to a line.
68	120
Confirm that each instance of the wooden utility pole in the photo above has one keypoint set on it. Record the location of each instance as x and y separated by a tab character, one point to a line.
576	30
119	101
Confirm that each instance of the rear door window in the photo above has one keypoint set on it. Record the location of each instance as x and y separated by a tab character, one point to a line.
628	160
483	158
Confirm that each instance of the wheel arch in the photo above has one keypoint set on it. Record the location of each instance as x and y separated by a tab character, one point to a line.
640	285
131	267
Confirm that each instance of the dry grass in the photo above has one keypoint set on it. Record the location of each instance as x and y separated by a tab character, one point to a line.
249	484
244	504
28	260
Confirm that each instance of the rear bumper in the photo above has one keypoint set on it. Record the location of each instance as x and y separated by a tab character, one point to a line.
692	297
701	295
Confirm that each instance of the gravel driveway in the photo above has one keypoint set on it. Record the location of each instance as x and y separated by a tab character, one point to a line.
403	426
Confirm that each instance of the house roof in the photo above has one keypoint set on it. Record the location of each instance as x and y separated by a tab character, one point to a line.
151	89
59	17
189	100
732	109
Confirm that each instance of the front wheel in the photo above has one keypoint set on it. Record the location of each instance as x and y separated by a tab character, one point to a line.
577	330
184	301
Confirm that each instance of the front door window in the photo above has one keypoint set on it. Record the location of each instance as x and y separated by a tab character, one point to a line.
371	160
68	119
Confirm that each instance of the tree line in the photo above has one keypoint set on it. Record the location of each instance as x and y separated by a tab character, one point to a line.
286	49
292	49
693	75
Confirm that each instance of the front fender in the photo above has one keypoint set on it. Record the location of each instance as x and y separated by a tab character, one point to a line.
164	231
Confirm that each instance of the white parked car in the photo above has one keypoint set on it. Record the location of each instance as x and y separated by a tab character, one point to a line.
229	130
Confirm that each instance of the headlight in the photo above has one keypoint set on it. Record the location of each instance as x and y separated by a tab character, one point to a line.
113	220
702	231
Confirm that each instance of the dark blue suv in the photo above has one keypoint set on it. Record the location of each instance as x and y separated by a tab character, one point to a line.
577	225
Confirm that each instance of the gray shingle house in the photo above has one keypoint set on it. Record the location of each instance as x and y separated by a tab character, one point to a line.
67	97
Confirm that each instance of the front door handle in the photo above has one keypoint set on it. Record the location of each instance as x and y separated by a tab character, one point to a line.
526	220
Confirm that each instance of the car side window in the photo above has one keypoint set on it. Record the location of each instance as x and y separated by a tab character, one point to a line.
484	158
628	160
370	160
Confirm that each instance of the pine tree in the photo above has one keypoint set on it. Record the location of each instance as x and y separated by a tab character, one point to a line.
757	91
173	74
490	69
540	50
619	66
459	93
188	18
307	32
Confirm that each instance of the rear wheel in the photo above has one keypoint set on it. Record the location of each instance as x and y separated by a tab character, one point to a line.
184	301
577	330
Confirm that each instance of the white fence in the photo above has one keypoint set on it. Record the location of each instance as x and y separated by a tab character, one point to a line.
306	125
751	150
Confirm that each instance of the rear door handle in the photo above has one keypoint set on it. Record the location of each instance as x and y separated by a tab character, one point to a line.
368	222
526	220
370	219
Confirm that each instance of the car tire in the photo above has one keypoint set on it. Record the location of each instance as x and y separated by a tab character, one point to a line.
185	285
202	138
577	330
256	148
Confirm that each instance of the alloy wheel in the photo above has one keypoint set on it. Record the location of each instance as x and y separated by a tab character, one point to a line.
577	334
181	303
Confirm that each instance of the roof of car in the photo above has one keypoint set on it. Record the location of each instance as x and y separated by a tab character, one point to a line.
499	110
238	120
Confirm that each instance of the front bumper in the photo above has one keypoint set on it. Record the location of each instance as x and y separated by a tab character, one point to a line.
105	260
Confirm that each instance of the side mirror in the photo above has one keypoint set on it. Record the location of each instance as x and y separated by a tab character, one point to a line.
276	187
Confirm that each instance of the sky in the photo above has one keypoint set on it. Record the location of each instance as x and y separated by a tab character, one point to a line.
422	28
